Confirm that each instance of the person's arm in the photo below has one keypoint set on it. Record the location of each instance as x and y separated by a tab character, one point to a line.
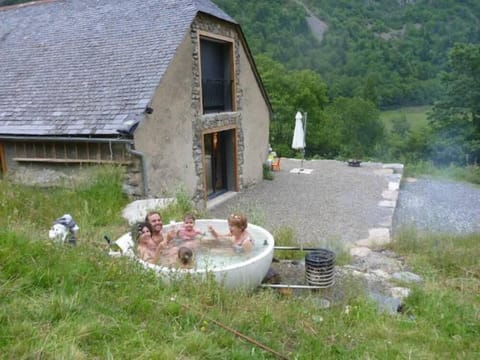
169	236
158	252
219	236
214	232
247	244
141	252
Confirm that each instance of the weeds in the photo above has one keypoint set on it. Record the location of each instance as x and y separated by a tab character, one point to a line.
469	174
181	205
77	303
267	172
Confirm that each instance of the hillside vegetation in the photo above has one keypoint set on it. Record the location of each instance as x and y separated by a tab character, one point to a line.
398	47
365	56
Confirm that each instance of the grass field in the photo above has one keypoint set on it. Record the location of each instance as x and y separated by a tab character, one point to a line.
415	116
62	302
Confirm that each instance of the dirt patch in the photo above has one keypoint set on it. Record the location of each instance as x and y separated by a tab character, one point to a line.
317	26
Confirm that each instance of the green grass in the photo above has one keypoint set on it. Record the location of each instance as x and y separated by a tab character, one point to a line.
59	302
416	116
470	174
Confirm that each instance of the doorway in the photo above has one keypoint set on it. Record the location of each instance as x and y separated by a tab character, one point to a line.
220	164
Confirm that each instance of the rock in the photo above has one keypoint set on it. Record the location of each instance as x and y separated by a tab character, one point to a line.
385	303
272	277
397	168
387	203
360	251
400	292
390	195
377	260
407	276
393	185
136	210
129	190
376	237
384	172
381	273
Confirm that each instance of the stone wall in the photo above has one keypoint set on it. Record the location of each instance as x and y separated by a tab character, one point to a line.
46	167
202	121
250	115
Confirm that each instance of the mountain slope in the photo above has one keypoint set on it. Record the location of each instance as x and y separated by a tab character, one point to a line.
400	46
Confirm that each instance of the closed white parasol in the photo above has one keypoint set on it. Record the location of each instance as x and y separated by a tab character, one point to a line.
298	142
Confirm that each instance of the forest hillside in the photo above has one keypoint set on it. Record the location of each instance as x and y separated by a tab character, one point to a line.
398	46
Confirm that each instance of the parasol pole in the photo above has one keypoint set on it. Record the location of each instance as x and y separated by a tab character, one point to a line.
303	155
304	136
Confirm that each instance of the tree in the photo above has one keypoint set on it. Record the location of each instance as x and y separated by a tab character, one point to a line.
456	117
358	125
289	92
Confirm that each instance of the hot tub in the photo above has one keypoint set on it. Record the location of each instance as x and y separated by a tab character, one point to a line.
244	270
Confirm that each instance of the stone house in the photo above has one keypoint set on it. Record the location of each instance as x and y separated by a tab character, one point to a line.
167	89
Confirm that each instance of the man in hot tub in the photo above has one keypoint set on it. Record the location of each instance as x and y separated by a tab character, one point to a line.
155	220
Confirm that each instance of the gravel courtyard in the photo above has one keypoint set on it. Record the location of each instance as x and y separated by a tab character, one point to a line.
337	204
334	205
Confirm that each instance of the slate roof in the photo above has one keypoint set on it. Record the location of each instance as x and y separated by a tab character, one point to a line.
80	67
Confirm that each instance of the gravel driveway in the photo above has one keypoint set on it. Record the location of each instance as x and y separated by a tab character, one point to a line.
438	206
334	205
337	204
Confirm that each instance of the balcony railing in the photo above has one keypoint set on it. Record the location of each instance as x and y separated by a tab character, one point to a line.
217	95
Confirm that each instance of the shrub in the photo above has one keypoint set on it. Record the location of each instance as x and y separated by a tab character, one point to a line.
267	172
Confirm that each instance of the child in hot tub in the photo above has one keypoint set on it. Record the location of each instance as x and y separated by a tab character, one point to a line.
187	231
238	234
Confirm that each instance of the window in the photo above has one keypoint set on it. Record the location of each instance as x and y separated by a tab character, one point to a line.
217	83
71	152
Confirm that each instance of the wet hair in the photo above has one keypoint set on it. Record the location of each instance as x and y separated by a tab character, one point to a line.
150	213
238	220
185	255
189	216
137	229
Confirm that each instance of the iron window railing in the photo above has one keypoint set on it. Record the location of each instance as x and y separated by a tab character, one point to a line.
216	95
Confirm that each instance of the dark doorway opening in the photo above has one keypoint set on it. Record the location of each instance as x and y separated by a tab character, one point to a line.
219	162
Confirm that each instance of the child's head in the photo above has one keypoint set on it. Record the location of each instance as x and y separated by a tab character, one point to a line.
185	255
238	220
189	218
189	221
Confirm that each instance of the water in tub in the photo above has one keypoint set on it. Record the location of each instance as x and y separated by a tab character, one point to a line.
210	253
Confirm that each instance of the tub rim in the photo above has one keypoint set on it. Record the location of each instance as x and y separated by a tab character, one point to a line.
267	251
